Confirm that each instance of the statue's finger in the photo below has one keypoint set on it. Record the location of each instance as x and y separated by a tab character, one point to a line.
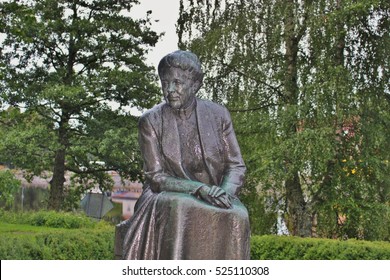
220	192
213	191
226	202
217	191
229	199
219	203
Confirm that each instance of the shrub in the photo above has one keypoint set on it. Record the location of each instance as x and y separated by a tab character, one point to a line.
63	244
53	219
295	248
51	235
70	236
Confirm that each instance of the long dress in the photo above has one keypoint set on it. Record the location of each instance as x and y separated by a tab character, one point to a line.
175	225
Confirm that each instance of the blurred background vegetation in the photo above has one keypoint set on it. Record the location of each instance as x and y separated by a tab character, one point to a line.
306	82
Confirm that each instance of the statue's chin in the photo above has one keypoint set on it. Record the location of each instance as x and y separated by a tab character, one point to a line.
178	104
175	105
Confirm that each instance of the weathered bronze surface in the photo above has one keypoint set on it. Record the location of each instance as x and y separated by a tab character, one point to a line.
194	170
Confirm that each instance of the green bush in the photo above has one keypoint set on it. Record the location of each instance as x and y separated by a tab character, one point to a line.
70	236
48	218
60	244
51	235
98	244
295	248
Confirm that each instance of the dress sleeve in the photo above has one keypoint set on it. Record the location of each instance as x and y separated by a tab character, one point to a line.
151	154
234	171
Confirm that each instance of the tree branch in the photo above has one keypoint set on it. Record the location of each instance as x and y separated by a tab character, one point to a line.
234	69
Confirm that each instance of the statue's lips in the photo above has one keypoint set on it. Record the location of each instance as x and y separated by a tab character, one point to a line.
173	99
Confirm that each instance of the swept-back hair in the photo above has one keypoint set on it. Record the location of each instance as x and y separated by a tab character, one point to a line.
184	60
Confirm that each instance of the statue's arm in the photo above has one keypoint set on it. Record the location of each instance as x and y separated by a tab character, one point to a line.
235	169
154	172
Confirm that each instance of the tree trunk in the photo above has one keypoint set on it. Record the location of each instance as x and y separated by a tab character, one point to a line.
299	218
56	197
57	182
340	39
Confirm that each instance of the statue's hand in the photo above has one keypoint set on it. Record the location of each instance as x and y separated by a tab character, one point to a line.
216	191
221	198
215	196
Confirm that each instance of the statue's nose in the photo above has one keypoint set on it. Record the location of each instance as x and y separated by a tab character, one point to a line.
171	87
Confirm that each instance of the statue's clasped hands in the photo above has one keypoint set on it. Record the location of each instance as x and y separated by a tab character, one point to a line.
215	196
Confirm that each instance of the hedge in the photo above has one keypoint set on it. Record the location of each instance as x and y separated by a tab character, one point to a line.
98	244
52	219
69	236
58	244
295	248
48	235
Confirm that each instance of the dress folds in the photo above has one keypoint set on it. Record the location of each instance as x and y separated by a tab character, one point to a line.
170	226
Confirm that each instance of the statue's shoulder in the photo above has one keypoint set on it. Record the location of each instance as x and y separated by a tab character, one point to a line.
154	114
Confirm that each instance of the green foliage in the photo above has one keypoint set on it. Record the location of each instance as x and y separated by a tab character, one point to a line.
60	244
25	242
49	235
63	64
27	140
262	212
52	219
295	248
9	186
308	88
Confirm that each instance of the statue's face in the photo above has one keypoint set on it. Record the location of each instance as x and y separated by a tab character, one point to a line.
178	88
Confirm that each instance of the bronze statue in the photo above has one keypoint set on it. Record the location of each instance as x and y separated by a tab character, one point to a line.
193	169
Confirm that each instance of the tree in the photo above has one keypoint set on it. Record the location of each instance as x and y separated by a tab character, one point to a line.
9	187
296	75
63	64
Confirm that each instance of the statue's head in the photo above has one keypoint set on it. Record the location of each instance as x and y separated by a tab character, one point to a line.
181	77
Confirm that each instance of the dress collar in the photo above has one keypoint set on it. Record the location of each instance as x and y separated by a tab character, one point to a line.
185	113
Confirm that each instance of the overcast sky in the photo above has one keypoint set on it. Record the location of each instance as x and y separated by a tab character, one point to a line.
167	13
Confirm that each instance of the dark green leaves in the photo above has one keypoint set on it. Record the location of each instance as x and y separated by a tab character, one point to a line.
64	63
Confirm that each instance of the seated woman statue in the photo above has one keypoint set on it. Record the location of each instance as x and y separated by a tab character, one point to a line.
193	169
